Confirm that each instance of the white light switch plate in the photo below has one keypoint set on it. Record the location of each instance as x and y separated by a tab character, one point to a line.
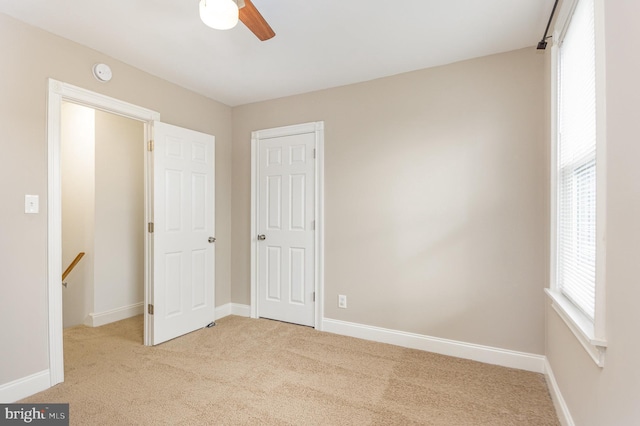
31	204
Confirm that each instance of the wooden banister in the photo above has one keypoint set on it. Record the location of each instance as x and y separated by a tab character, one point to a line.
73	265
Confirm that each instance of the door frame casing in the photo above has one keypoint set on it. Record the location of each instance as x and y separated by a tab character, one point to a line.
318	129
57	93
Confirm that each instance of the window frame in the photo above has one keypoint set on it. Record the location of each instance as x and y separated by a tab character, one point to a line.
590	333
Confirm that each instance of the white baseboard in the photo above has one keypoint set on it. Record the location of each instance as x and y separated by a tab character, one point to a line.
102	318
486	354
232	309
240	310
562	410
24	387
223	311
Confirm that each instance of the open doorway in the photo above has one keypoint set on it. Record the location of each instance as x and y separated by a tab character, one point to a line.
102	177
58	93
177	299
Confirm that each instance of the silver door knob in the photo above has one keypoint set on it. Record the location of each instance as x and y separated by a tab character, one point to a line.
262	237
212	239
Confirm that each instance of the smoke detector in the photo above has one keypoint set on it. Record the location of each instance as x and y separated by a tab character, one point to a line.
102	72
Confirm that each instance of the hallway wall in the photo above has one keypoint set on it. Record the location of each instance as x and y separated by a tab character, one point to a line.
78	209
119	232
102	216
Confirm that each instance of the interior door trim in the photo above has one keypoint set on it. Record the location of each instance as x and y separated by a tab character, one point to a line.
57	93
318	129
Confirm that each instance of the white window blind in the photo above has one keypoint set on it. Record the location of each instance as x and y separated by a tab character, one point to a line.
576	240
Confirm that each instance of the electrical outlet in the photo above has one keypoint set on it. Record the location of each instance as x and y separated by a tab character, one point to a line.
342	301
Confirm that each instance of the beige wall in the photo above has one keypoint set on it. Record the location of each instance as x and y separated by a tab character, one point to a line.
435	199
102	166
119	202
28	57
609	396
78	209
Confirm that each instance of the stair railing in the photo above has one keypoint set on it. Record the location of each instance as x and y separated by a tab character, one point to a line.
71	266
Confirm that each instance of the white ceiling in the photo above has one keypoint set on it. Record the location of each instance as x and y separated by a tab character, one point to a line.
318	43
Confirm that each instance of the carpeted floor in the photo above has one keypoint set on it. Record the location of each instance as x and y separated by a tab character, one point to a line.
262	372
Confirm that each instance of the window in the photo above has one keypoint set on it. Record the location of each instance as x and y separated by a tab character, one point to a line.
576	287
576	166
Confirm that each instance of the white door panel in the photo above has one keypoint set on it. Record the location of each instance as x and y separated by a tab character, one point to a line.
285	264
183	210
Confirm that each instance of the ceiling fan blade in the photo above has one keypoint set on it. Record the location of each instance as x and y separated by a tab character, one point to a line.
250	16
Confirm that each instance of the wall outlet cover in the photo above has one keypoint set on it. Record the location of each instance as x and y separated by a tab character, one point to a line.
342	301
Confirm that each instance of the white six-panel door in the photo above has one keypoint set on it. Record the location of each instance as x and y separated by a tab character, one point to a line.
286	209
183	210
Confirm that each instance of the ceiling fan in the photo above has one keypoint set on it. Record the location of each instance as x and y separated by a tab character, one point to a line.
224	14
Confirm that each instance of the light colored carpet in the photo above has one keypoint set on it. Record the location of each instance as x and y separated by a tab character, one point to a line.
263	372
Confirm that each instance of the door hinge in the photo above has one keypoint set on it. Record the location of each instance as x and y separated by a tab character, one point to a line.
150	309
314	153
151	227
150	145
313	225
314	296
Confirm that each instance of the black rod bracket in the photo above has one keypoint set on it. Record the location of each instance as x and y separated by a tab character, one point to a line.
542	44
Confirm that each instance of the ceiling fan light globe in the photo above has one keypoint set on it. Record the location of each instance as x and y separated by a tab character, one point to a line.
219	14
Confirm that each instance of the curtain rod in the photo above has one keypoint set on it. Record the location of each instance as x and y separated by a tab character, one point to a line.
542	44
